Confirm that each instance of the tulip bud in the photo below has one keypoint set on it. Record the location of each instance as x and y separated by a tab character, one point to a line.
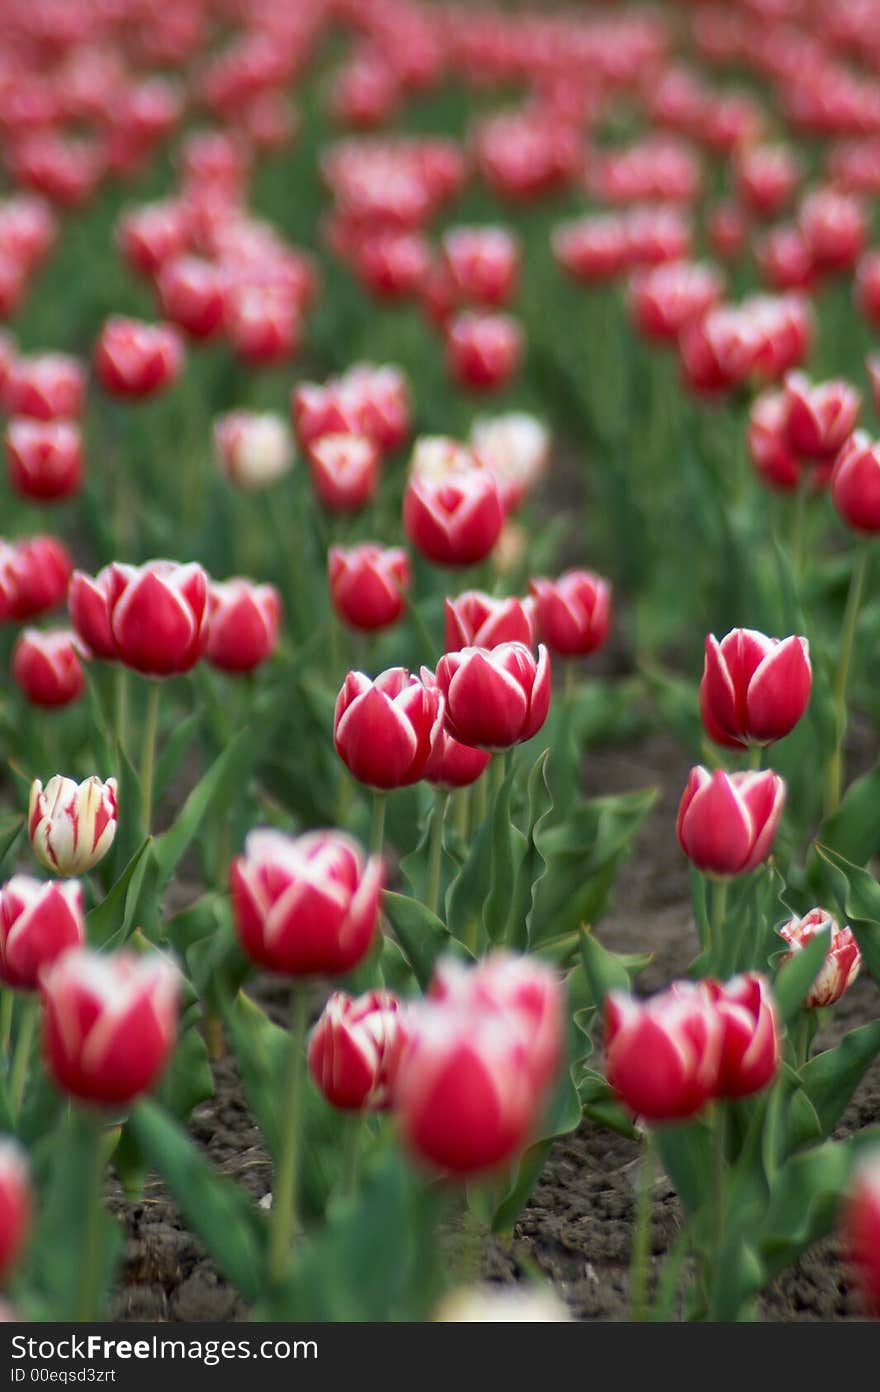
664	298
867	287
482	263
152	234
392	264
483	350
819	418
243	623
384	729
253	449
754	689
191	295
573	614
355	1050
784	259
37	574
861	1232
477	620
593	248
719	351
345	471
495	697
452	507
749	1034
368	584
766	177
727	821
110	1023
834	227
306	905
855	483
45	386
47	667
15	1202
38	922
776	463
662	1055
516	447
45	458
71	825
153	617
842	962
136	359
263	323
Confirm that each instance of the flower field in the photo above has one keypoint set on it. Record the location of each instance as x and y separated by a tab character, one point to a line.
440	800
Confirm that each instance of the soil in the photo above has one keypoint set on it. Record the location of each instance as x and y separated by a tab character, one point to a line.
578	1226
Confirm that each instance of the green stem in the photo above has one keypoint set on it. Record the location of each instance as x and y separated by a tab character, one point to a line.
120	707
719	1169
7	1005
798	524
148	754
641	1245
841	680
21	1058
756	756
478	803
716	921
284	1200
354	1131
90	1257
435	848
377	826
462	811
498	772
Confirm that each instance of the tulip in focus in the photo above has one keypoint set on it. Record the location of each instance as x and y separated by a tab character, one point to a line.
243	623
754	689
750	1045
726	821
44	458
135	359
495	698
153	618
39	921
855	483
368	584
662	1055
384	729
110	1023
47	667
306	905
355	1050
477	620
254	449
861	1232
72	825
15	1203
842	962
573	613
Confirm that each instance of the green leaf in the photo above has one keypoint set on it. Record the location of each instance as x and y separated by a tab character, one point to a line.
854	829
532	867
467	893
421	934
176	747
859	894
603	970
10	830
686	1153
110	922
507	850
227	772
831	1078
797	975
218	1211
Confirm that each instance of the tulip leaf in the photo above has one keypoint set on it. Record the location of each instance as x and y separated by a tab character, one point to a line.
853	831
859	896
421	934
109	923
797	975
507	851
532	867
467	893
169	763
830	1079
10	830
219	1212
686	1155
229	769
604	971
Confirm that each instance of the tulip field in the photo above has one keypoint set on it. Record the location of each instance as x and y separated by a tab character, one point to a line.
439	609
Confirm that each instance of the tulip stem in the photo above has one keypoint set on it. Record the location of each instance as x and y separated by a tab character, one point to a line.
716	921
435	849
641	1244
498	773
462	812
756	756
284	1199
7	1005
719	1133
352	1156
377	828
148	754
120	712
21	1058
841	680
798	525
90	1281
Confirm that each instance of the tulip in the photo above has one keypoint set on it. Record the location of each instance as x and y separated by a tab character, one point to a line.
368	584
834	227
776	463
452	764
355	1050
38	922
370	401
476	620
861	1232
726	821
855	483
37	574
867	287
45	458
45	386
754	689
516	447
344	471
784	259
664	298
153	618
573	614
750	1045
452	506
495	698
766	177
593	248
306	905
820	418
243	623
482	263
263	323
15	1203
152	234
47	667
843	960
110	1023
71	825
727	229
783	330
655	234
136	359
254	449
719	351
483	350
662	1055
393	264
191	295
384	729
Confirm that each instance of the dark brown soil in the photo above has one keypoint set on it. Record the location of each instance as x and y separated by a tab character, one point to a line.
578	1225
